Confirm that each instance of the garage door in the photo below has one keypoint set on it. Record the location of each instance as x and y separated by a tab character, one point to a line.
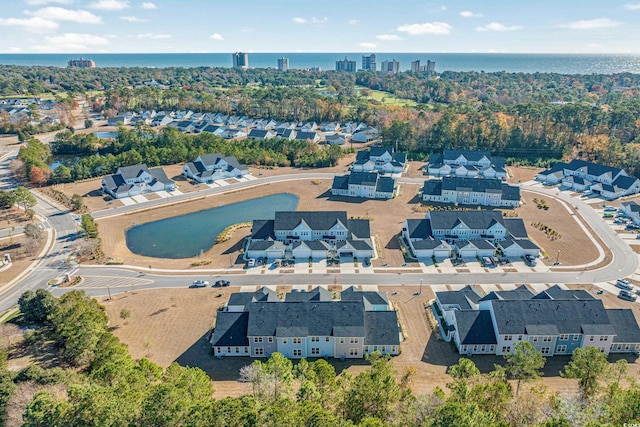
274	254
441	253
468	253
346	254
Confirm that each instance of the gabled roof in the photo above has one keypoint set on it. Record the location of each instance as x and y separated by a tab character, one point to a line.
470	155
303	136
624	182
419	228
464	298
317	294
160	175
625	325
314	245
631	206
340	182
381	328
263	294
359	228
515	227
475	327
557	293
263	245
568	316
316	220
558	167
519	293
380	151
429	243
354	294
262	229
363	178
594	169
231	329
386	184
475	220
130	172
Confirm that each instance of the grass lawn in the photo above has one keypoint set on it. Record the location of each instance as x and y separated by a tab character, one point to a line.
385	98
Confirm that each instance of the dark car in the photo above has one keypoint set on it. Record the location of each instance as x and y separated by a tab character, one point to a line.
221	283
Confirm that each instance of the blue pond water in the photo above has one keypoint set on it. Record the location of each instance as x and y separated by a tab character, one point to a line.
106	135
185	236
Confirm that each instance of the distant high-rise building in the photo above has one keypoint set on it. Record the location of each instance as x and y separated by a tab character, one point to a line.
369	62
346	65
81	63
429	69
283	64
392	66
240	60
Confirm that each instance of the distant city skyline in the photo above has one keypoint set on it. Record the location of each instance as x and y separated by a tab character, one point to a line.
369	26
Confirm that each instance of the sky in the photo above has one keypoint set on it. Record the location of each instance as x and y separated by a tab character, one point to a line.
211	26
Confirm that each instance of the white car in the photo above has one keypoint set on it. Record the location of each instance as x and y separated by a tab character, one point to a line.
200	284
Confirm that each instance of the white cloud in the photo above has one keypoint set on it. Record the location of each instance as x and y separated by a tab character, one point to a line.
469	14
319	21
110	4
43	2
34	24
149	5
62	14
388	37
594	45
437	28
71	42
367	45
153	36
353	21
496	26
132	19
216	36
15	49
590	24
299	20
632	6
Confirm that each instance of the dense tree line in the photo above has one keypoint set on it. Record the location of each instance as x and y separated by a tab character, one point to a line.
143	145
106	387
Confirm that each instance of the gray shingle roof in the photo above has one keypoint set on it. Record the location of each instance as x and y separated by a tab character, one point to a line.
557	293
381	328
419	228
353	294
463	297
130	172
160	175
519	293
359	228
632	206
386	184
594	169
263	245
317	294
261	295
340	182
475	220
475	327
231	329
625	325
515	227
569	316
428	243
317	220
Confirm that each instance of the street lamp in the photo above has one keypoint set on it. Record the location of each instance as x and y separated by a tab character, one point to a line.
420	286
557	258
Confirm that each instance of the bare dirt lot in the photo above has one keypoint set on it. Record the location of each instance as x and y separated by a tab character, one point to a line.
575	246
20	260
174	325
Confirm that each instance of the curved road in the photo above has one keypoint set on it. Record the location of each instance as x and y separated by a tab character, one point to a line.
624	262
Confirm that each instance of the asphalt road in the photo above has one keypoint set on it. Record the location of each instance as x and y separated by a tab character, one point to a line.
624	262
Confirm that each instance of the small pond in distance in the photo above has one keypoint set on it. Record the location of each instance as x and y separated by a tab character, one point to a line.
185	236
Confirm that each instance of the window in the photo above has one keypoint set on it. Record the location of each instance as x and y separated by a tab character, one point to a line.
508	337
534	339
315	339
564	337
394	349
246	349
237	350
545	350
353	340
591	338
575	337
603	338
228	350
562	349
257	339
259	351
353	352
297	352
492	348
475	348
464	349
482	348
270	339
506	349
384	348
315	351
285	340
546	339
297	340
519	337
326	339
366	349
341	340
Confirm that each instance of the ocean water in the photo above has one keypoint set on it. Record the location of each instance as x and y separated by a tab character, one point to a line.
488	62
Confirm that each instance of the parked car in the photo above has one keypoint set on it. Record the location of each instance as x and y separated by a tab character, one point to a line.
221	283
199	284
624	284
531	260
626	295
487	262
610	209
251	262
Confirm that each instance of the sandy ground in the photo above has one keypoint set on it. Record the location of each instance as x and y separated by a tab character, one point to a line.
522	173
174	325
